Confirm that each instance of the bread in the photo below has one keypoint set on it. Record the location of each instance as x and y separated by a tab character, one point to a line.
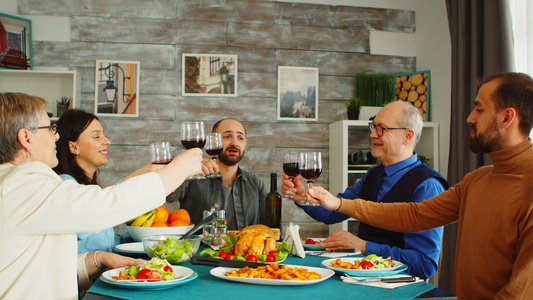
254	240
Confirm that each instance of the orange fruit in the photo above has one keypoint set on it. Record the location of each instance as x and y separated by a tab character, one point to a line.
179	222
180	214
162	215
159	224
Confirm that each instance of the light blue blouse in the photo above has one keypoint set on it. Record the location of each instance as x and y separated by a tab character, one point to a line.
104	240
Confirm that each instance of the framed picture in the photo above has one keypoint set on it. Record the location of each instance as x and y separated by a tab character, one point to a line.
297	94
209	75
415	88
15	42
117	88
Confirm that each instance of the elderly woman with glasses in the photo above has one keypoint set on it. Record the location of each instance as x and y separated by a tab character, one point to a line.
40	214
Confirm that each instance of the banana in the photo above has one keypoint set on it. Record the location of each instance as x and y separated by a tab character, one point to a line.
150	221
141	219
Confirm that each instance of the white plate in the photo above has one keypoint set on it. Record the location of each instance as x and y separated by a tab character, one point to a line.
398	267
136	247
314	247
220	272
184	274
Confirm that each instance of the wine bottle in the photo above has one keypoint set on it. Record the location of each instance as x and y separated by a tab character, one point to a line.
273	204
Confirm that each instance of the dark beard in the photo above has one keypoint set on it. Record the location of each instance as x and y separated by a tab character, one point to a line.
230	161
486	142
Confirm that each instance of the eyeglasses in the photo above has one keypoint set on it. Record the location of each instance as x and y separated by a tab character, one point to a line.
52	128
379	129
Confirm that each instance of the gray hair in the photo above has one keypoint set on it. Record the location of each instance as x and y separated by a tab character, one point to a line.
17	111
412	119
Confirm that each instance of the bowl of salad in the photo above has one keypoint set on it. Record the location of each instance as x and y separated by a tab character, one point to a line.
171	248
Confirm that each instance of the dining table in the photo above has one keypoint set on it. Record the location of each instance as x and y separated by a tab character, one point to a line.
206	286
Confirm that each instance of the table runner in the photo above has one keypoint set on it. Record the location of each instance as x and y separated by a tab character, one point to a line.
207	286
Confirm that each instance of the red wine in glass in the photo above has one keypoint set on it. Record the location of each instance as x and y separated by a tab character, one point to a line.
213	147
162	162
213	152
291	169
310	174
193	136
310	169
189	144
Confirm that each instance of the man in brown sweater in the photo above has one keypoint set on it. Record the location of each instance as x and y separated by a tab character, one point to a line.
493	205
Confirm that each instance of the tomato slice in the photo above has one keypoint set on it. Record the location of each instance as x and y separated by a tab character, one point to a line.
365	264
222	254
273	252
168	269
309	242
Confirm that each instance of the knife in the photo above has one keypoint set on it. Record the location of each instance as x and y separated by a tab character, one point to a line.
388	280
219	262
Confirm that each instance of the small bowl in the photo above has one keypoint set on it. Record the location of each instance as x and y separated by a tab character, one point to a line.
137	233
170	248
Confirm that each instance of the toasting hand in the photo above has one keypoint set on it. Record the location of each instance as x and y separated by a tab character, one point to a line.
321	196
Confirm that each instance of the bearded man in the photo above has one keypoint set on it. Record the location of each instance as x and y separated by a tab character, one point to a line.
240	193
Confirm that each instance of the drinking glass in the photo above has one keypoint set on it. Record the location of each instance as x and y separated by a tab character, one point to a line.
193	136
291	168
213	147
160	153
310	169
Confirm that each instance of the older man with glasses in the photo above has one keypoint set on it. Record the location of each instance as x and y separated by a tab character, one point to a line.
394	133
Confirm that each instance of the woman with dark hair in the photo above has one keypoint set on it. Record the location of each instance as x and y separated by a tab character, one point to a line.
71	127
81	150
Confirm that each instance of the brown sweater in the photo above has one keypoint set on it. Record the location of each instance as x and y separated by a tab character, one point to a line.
494	208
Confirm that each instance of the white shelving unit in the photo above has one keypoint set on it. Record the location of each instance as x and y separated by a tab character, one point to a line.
339	146
50	85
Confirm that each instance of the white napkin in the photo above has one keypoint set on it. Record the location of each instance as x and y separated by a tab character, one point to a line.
292	238
378	284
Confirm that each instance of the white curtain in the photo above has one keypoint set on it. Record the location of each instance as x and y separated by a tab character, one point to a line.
522	19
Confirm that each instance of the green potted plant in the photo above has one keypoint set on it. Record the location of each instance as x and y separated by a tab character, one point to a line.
353	105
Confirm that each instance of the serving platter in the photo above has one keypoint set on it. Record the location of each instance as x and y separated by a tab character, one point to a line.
184	275
220	272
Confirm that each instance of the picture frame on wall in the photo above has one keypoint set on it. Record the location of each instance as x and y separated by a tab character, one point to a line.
209	75
415	88
15	42
117	88
297	93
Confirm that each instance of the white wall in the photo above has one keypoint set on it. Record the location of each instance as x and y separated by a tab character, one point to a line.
430	44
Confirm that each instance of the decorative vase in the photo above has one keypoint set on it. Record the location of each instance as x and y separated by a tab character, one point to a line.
353	114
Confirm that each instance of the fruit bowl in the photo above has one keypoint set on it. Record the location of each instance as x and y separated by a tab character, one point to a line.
137	233
170	248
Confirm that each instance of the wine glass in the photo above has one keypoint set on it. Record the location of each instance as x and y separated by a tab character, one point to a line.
291	168
160	153
193	136
310	169
213	147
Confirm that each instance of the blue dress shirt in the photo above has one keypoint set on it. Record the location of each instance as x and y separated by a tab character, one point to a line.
422	249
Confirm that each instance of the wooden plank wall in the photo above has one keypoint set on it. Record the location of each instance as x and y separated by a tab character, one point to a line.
264	35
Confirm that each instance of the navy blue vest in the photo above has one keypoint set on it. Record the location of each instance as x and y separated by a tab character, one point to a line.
402	191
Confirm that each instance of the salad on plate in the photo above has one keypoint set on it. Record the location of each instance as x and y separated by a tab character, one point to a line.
155	269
